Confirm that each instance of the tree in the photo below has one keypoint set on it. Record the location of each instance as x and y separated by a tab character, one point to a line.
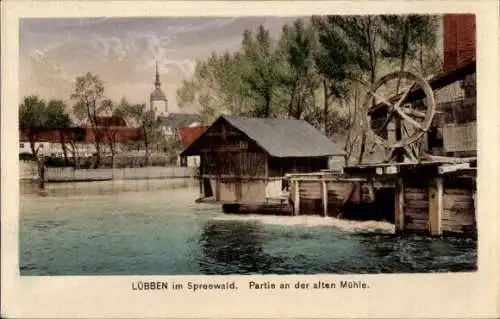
350	56
109	128
408	38
35	117
59	120
260	71
32	120
317	71
299	77
90	102
145	119
216	86
241	83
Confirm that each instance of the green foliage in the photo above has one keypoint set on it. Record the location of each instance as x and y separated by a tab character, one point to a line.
314	70
416	33
350	49
36	116
32	114
58	118
299	77
216	87
144	117
89	97
260	72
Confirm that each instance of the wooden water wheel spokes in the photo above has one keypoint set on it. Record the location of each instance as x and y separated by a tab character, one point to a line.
411	121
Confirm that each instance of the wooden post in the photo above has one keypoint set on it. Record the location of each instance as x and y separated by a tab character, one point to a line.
200	178
324	189
217	188
297	197
435	206
399	205
474	199
41	173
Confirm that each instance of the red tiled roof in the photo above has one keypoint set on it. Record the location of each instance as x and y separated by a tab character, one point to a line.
118	134
77	133
189	134
110	121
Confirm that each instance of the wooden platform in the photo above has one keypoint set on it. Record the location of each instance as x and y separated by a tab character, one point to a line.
435	196
272	207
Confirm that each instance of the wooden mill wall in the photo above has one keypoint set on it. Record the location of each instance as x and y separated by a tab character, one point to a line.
311	196
458	211
440	205
252	190
416	209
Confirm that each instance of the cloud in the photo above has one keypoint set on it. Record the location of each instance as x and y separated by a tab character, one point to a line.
125	49
54	68
110	48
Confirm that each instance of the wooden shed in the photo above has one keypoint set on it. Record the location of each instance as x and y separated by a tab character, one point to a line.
244	160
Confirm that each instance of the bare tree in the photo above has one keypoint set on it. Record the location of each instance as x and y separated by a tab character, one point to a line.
89	97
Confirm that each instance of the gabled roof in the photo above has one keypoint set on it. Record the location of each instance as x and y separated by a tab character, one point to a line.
282	137
176	120
189	134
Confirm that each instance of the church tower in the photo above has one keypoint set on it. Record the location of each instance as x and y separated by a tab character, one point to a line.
157	99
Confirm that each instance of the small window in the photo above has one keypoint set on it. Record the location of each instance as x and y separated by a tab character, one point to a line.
184	161
21	145
41	145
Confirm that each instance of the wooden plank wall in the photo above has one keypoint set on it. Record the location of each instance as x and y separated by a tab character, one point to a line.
416	209
310	195
254	191
251	190
227	191
458	211
337	192
458	215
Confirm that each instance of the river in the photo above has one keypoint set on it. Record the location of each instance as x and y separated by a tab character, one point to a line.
163	232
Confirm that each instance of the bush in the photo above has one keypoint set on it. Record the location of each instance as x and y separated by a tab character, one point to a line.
27	157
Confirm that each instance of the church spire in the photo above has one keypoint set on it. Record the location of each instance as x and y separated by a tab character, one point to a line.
157	81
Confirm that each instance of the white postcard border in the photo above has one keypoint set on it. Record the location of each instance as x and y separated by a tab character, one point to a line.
454	295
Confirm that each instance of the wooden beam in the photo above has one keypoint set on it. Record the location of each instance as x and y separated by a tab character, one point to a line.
436	206
324	191
399	205
443	169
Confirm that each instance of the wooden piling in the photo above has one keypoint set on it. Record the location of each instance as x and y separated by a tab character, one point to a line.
297	197
217	188
324	192
399	205
435	206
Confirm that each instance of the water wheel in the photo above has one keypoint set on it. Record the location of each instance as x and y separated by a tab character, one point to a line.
395	123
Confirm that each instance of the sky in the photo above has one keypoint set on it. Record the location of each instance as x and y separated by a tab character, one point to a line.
123	51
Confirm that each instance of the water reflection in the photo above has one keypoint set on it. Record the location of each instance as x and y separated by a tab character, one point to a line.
163	232
233	247
420	253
